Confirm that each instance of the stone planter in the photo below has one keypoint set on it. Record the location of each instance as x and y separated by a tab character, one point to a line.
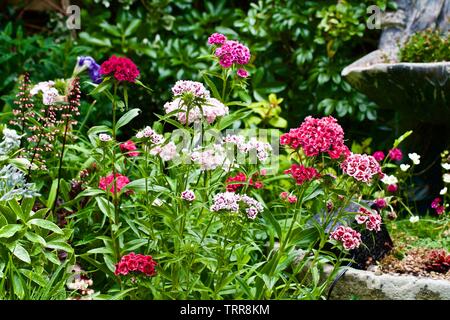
366	285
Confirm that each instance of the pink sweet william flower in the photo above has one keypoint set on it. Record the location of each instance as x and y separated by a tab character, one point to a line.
379	155
436	205
362	167
107	183
315	136
392	188
122	68
350	238
136	264
232	52
284	195
380	203
188	195
128	148
217	38
292	199
301	174
242	73
370	217
396	154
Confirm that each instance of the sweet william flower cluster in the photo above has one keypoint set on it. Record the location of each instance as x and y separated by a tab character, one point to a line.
230	52
121	68
230	201
136	264
351	239
315	136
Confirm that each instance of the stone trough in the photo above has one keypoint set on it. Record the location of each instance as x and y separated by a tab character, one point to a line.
367	285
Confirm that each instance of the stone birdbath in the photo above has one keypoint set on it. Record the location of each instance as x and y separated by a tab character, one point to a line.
418	92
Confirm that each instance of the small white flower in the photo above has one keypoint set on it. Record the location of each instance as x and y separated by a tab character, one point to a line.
49	96
157	202
414	157
446	166
446	177
389	179
414	219
404	167
104	137
443	191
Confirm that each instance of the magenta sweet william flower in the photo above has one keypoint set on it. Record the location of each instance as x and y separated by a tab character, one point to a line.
128	148
232	52
396	154
217	38
242	73
378	155
136	263
107	183
317	135
436	205
122	68
392	188
380	203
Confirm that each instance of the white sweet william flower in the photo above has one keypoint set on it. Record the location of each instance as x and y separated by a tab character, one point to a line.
104	137
389	179
414	219
443	191
404	167
446	166
446	177
415	158
50	96
42	86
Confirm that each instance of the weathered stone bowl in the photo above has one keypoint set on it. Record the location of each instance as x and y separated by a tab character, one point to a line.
420	92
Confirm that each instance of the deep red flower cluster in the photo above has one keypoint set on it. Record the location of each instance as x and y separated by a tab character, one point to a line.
317	135
232	186
136	263
436	205
108	182
128	148
122	68
350	238
438	261
301	173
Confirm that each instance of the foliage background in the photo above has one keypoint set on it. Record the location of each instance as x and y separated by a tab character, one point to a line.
298	50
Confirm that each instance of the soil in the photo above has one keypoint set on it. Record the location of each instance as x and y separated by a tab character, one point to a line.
413	263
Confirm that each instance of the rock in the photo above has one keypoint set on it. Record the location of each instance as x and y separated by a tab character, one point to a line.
366	285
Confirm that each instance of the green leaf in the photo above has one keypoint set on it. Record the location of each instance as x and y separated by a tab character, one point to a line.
18	286
127	117
132	27
35	238
139	185
278	122
8	214
27	206
45	224
106	207
9	230
15	206
212	86
59	245
21	253
35	277
102	250
52	194
403	137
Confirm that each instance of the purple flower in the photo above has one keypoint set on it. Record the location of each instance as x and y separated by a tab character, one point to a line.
87	62
242	73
